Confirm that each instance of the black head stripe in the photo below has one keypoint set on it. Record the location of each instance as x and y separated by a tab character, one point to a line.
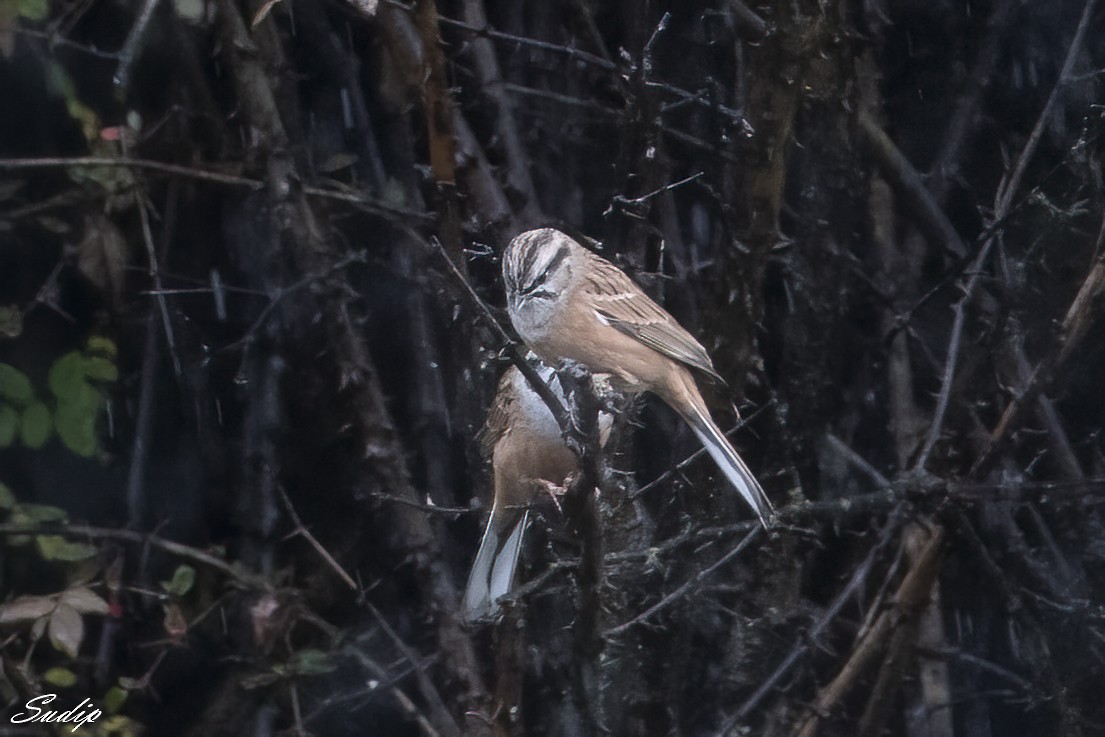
532	245
538	279
561	254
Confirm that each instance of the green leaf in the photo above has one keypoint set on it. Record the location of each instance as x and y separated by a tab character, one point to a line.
258	681
76	424
7	498
184	577
36	427
66	630
56	547
97	368
58	81
38	513
60	677
66	378
9	424
19	518
11	321
15	386
26	609
84	600
312	662
34	9
190	10
114	699
98	345
119	726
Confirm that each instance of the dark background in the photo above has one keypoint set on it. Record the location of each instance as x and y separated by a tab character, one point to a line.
883	219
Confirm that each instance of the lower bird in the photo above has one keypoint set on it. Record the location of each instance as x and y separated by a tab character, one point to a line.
567	302
528	458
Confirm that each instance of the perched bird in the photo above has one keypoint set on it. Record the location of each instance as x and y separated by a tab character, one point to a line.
528	458
569	303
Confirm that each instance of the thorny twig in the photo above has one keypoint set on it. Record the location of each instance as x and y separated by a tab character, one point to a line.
134	42
430	692
405	702
909	596
510	347
302	531
1003	202
683	464
859	576
686	587
141	538
155	271
1075	325
369	204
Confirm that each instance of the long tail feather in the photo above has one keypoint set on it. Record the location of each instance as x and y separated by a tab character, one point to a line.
492	574
730	463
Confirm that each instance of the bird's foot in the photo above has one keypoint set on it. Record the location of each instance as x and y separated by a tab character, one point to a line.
555	492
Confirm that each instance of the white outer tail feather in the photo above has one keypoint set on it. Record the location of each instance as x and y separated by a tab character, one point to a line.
492	574
730	463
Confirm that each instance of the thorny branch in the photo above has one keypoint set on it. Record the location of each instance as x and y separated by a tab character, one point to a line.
1002	204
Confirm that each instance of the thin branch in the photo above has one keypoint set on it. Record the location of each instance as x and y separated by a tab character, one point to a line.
856	460
683	464
134	42
430	692
910	595
302	531
510	347
141	538
405	702
859	576
249	336
1076	324
154	269
1003	201
50	162
750	21
622	200
687	586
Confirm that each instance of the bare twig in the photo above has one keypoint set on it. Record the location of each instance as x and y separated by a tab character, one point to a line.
686	587
510	347
750	21
622	200
1076	324
683	464
405	702
440	711
856	460
859	576
134	42
909	596
51	162
302	531
140	538
1003	202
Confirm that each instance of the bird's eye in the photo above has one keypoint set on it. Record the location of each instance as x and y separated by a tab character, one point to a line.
540	279
537	282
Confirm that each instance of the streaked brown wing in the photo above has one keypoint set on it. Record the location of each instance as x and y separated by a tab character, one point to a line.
498	419
625	307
